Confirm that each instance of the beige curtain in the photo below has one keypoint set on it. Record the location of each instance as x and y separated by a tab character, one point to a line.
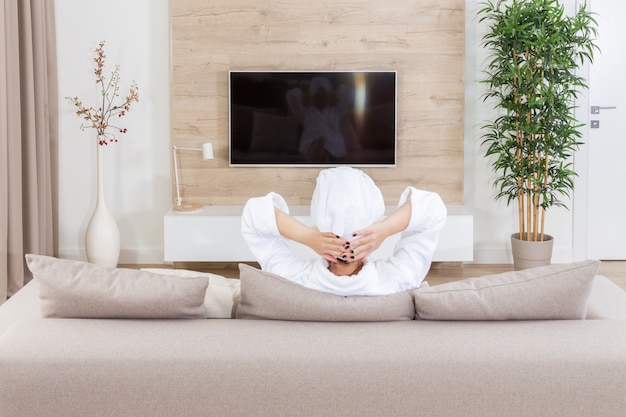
28	137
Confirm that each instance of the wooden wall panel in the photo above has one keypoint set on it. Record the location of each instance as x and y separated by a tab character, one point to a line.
422	39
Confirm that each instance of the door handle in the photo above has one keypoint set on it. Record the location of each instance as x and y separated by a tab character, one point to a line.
596	109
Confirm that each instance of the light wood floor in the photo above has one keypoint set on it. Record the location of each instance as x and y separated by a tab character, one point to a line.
439	273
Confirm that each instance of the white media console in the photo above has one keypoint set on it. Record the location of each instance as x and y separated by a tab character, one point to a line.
213	234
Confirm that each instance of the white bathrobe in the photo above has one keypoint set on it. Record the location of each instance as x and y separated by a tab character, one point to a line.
404	270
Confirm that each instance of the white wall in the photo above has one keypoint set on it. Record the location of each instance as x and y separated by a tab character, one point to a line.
138	167
137	180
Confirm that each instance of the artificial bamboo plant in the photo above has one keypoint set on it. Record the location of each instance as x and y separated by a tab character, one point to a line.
535	52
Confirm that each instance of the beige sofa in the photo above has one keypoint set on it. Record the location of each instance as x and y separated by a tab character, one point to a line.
224	367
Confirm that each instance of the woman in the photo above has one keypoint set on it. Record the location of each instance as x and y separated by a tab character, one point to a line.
347	210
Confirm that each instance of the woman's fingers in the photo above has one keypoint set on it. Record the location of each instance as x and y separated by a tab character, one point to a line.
334	245
363	244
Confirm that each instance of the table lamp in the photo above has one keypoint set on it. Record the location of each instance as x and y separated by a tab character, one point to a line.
207	153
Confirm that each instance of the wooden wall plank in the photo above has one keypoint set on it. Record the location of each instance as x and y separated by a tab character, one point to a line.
422	39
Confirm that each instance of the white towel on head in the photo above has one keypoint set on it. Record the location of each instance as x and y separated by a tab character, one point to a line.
345	200
320	82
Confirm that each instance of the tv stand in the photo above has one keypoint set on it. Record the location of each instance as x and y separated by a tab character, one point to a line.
213	234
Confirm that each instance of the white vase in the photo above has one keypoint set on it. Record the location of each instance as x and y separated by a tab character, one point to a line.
102	238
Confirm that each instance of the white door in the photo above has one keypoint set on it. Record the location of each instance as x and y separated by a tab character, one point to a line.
606	201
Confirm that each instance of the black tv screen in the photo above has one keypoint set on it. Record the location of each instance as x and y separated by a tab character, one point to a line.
295	118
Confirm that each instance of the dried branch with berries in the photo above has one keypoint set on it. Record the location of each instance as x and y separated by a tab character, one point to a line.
102	117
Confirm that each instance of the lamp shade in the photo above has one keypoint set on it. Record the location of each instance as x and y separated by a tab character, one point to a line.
207	151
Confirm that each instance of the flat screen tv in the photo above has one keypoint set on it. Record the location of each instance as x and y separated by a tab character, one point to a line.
314	118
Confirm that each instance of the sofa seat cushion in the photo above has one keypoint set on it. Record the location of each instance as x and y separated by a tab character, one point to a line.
269	296
553	292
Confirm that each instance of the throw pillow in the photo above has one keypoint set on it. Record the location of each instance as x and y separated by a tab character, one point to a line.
268	296
552	292
82	290
222	296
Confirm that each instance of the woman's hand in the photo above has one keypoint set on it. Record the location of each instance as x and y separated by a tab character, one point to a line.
369	239
326	244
